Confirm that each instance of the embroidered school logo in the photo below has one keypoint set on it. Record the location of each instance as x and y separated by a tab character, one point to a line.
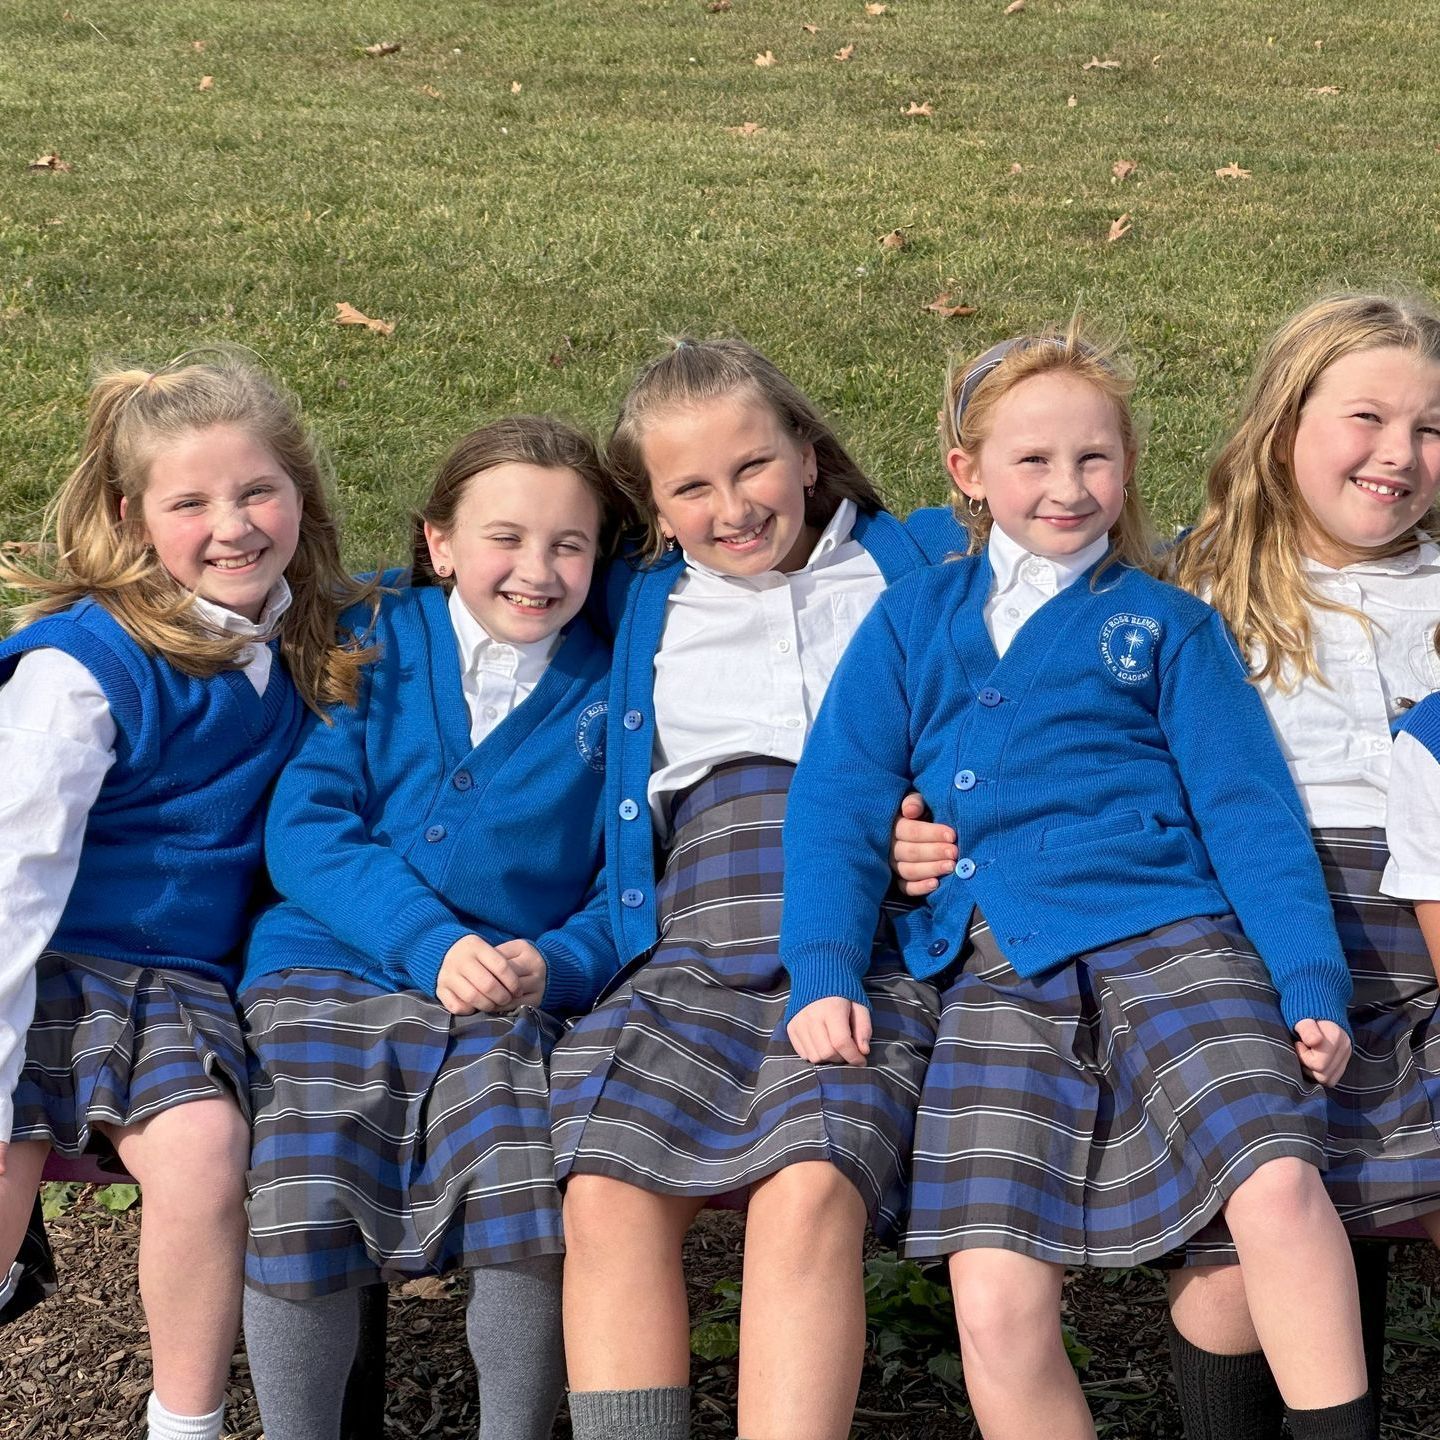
590	734
1127	646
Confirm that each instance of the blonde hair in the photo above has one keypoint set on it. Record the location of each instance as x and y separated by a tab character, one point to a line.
1245	554
693	372
984	380
540	440
92	549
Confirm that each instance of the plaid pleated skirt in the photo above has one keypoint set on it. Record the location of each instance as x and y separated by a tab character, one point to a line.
118	1043
391	1138
1101	1113
684	1082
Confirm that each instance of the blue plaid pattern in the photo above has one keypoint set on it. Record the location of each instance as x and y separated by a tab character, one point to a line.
119	1043
1101	1113
391	1138
683	1081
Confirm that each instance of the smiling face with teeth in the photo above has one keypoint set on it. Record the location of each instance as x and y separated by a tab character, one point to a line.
1366	452
522	549
222	516
728	480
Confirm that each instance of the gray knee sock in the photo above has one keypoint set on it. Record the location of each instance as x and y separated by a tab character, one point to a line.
513	1325
658	1414
300	1355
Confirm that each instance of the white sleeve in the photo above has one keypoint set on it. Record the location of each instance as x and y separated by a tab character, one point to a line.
1412	827
57	740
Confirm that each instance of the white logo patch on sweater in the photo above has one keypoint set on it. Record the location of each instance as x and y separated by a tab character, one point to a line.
1127	646
590	734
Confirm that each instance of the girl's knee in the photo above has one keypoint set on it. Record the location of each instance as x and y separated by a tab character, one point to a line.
1281	1193
1008	1315
197	1153
813	1199
601	1215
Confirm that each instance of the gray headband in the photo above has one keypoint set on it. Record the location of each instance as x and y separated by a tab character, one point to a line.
991	359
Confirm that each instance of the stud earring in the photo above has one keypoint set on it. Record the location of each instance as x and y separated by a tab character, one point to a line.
810	491
443	571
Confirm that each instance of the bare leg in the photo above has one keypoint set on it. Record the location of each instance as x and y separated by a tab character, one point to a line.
1300	1282
24	1161
190	1161
1208	1307
1020	1380
802	1318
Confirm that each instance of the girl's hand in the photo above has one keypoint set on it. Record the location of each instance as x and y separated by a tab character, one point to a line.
921	851
476	976
530	965
831	1029
1323	1049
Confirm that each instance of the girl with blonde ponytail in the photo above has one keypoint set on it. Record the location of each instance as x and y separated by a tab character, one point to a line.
181	618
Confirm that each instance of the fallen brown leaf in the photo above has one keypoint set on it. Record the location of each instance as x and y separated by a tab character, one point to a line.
1119	229
811	29
748	128
207	82
1123	169
913	109
1015	7
1095	63
1232	172
1017	168
1071	103
873	9
347	314
844	52
1319	44
516	87
49	162
427	1287
22	547
1326	90
198	46
383	47
765	59
942	307
895	240
716	7
430	92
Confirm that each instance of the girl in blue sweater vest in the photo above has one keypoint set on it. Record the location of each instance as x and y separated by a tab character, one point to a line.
436	847
1114	1064
149	697
766	546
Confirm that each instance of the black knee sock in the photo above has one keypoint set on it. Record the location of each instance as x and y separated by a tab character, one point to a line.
1354	1420
1224	1397
1372	1275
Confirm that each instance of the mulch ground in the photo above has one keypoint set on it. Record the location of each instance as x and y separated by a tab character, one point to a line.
78	1365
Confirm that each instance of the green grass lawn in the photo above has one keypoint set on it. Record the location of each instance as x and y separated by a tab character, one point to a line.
534	191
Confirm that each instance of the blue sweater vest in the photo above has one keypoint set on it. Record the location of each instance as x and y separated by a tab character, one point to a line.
172	844
390	837
1114	772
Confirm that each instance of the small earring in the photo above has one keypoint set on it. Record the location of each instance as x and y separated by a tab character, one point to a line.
669	542
1124	494
810	491
443	571
974	506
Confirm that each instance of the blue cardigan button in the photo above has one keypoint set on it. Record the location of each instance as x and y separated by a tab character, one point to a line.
628	809
990	697
939	947
633	720
966	868
965	780
434	833
463	780
632	899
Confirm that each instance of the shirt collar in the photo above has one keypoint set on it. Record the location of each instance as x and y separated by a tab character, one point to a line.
479	651
1425	552
832	537
1007	556
277	602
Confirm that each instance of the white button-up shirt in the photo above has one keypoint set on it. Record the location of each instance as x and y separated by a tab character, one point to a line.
495	675
744	661
1024	582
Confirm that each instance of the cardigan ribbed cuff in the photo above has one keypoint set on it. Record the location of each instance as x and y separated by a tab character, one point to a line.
417	949
568	985
822	969
1316	996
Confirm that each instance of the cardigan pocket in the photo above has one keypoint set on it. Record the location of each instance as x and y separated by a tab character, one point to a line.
1085	832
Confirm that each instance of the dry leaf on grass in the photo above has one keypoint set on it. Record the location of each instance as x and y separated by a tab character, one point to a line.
207	82
913	109
873	9
1319	44
383	47
1096	63
49	162
716	7
1015	7
895	240
516	87
748	128
811	29
845	52
1119	229
347	314
21	547
942	307
1071	103
1232	172
765	59
1123	169
1017	168
1327	90
198	46
427	1287
430	92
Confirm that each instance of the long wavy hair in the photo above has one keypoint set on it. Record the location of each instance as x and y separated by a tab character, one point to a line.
693	372
1053	351
1246	552
94	533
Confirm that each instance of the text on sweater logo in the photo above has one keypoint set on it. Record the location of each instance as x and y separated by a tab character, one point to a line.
1127	646
590	734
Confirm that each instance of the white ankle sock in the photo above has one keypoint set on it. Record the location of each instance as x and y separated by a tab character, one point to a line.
165	1426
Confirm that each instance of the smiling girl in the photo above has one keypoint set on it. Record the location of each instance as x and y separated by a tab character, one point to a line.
150	695
1115	1062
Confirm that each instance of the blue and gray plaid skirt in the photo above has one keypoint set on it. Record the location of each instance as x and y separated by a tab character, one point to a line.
683	1081
118	1043
391	1138
1101	1113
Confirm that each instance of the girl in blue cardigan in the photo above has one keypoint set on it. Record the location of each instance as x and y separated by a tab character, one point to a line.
1115	1061
150	695
435	847
766	545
